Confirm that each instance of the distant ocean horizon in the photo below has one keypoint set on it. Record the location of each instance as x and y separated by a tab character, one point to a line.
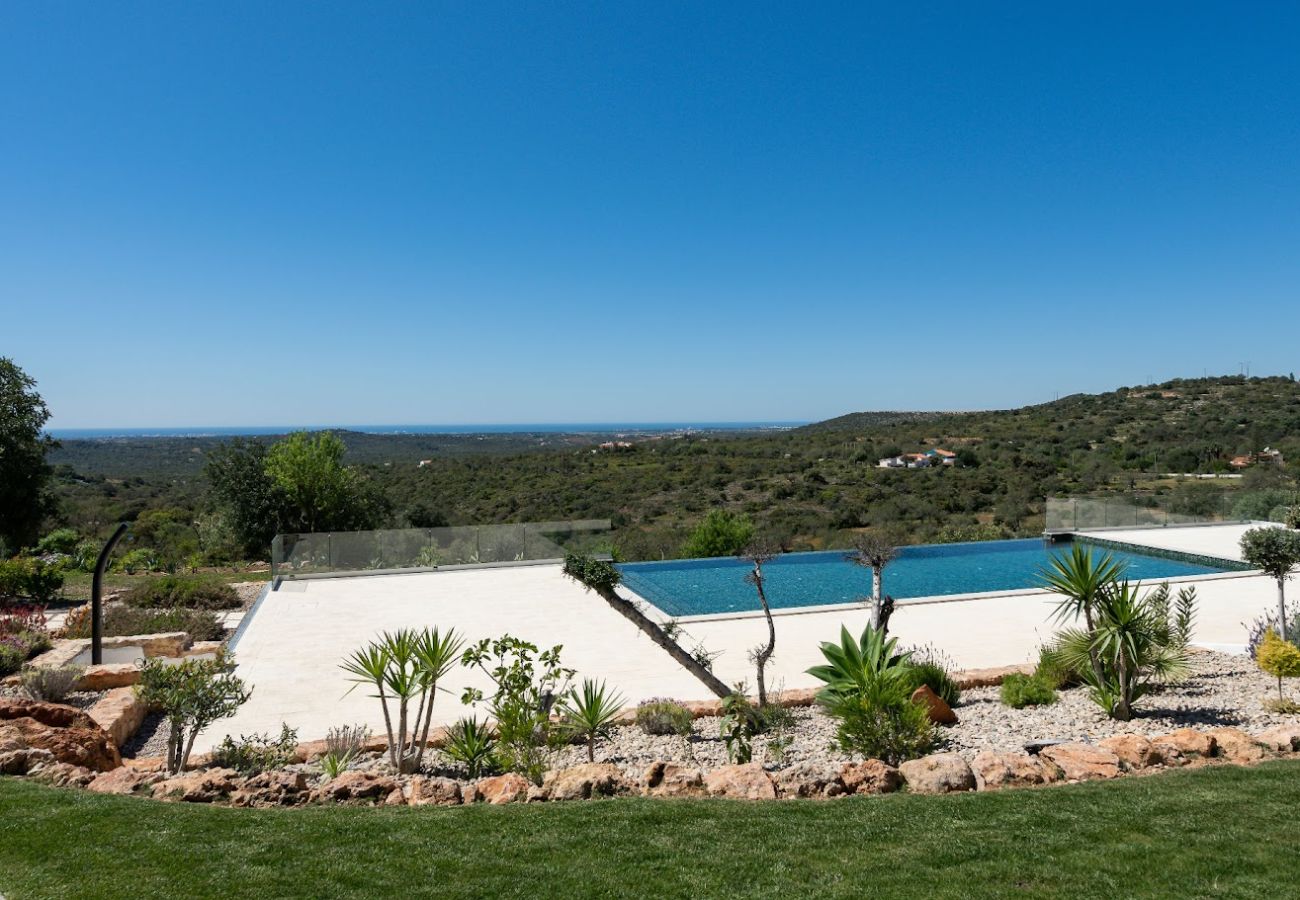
73	434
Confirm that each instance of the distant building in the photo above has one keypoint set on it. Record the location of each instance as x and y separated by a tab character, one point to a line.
892	462
424	462
1267	456
615	446
935	457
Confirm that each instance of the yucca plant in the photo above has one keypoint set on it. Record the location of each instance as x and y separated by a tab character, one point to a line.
405	667
588	711
472	744
1080	578
1130	647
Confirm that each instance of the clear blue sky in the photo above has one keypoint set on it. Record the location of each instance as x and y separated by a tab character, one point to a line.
269	213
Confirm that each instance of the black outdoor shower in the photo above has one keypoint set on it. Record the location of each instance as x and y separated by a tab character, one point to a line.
96	601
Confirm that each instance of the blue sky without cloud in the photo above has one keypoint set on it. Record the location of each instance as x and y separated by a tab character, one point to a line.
258	213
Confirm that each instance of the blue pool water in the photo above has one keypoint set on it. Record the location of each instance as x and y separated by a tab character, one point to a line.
692	587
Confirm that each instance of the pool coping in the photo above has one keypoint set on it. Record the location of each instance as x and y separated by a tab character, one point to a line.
911	601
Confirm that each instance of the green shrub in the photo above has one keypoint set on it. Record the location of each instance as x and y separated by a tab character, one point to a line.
30	578
1055	671
722	533
473	745
61	540
526	681
927	666
882	722
662	716
51	684
256	753
192	695
342	744
13	654
120	621
142	559
1019	691
189	592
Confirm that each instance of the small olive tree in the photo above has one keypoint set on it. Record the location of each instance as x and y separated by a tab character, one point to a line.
1275	552
873	552
192	695
759	554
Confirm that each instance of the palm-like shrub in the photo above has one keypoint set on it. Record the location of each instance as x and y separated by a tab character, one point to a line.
589	711
472	744
405	668
1129	647
868	689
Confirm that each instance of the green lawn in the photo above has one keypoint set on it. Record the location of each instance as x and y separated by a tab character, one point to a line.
1223	831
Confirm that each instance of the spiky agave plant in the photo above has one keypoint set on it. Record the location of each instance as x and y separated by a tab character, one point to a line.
853	665
405	667
589	711
472	744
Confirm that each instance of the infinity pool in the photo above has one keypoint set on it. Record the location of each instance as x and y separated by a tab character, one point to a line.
693	587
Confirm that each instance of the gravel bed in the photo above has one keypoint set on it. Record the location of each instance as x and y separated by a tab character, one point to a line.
1222	690
150	740
82	700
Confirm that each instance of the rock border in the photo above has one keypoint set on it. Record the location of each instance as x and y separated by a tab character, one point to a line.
940	773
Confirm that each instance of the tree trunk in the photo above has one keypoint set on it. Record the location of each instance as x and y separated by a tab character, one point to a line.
1281	611
656	634
762	656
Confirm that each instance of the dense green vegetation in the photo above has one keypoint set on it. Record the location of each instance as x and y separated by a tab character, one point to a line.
1136	837
807	488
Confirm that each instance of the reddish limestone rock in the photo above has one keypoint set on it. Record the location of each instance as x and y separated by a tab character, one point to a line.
69	734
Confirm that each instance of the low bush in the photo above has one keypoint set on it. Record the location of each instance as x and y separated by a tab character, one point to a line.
51	684
661	716
882	722
256	753
1019	691
61	540
142	559
928	666
473	745
26	577
188	592
121	620
342	744
22	636
1055	671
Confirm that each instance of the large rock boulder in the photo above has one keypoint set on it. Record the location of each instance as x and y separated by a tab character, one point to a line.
1082	762
942	773
69	734
1236	746
1184	745
356	786
669	779
994	770
870	776
274	788
60	774
201	786
508	788
20	762
1134	751
747	781
427	791
809	779
584	782
939	710
1281	738
125	780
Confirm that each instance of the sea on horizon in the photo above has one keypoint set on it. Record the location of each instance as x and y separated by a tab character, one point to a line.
73	434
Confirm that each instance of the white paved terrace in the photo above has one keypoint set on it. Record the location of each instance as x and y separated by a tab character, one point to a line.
293	643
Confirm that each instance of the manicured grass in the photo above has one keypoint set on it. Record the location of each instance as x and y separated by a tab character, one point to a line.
1222	832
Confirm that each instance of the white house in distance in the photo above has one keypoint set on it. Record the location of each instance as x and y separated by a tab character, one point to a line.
935	457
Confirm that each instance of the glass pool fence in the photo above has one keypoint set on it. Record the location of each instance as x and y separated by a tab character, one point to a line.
1075	513
428	549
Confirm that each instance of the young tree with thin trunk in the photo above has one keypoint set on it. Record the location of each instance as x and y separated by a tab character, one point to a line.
873	552
759	554
1275	552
